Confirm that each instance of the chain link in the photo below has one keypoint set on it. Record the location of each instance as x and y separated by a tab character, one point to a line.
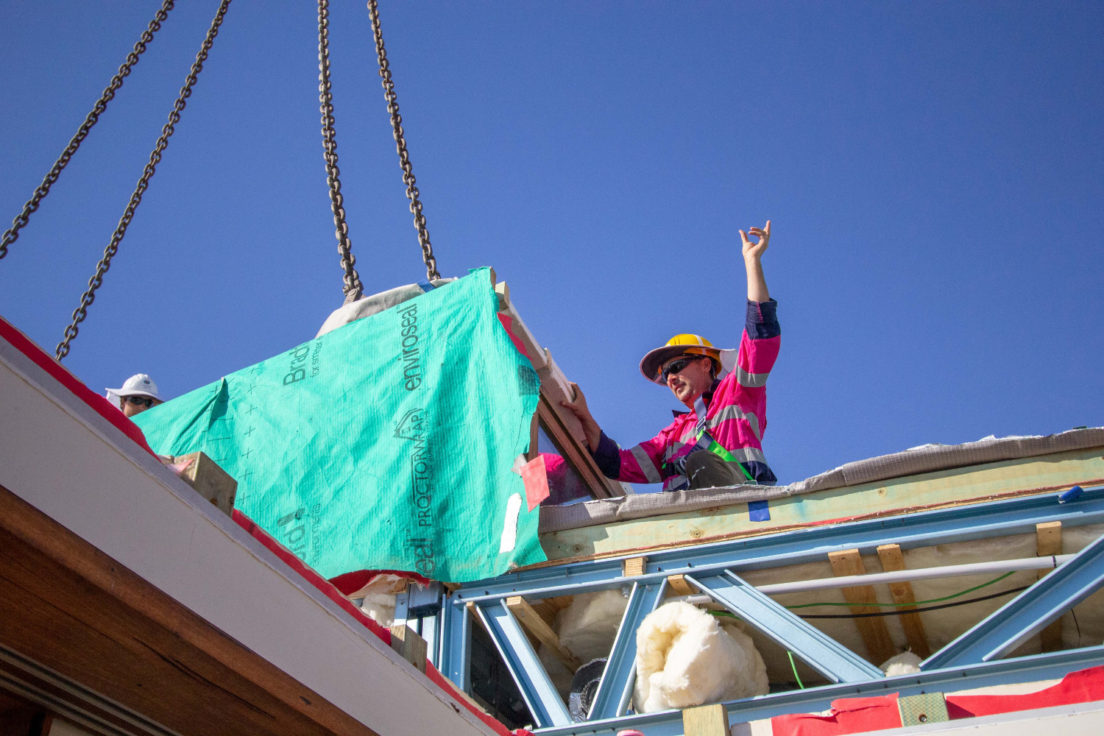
12	233
400	146
352	286
128	214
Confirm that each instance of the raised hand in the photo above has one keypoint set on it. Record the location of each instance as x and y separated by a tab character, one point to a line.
755	250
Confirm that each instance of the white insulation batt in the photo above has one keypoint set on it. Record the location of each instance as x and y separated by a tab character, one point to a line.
586	628
685	657
905	663
380	597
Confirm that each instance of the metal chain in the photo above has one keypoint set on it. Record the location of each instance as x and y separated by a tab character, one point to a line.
128	214
12	233
353	288
400	145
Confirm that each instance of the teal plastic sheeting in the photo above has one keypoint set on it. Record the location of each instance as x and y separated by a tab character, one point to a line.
386	444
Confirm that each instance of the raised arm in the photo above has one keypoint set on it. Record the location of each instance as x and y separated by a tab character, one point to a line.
753	254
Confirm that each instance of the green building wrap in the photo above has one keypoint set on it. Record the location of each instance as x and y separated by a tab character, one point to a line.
388	443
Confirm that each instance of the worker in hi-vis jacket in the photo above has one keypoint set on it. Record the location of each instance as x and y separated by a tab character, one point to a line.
719	440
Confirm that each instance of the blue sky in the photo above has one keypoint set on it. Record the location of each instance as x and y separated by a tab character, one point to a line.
934	172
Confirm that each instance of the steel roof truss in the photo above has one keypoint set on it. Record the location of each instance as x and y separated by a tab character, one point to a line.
540	695
826	655
1008	626
611	699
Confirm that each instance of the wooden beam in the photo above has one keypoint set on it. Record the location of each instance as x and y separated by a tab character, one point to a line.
537	626
679	586
874	633
892	560
502	289
571	450
633	566
208	479
412	647
705	720
1043	474
562	427
1048	541
79	617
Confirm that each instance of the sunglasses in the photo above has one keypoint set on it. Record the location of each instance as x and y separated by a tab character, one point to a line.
678	365
140	401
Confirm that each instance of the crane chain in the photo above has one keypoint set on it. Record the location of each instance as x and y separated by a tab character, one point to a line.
143	182
12	233
352	286
400	145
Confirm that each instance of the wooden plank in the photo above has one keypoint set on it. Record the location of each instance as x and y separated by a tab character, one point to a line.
874	633
69	608
1048	541
208	479
705	720
534	437
409	645
633	567
502	289
938	489
892	560
561	426
571	449
537	626
678	585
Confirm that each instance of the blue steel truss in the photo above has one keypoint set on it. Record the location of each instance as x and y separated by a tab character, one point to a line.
972	660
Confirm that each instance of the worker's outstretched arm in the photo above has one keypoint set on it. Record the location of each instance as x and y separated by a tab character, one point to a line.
753	254
641	464
578	407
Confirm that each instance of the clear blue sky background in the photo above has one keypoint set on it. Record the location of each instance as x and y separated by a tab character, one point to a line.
934	172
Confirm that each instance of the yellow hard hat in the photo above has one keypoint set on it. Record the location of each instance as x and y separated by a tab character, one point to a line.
684	344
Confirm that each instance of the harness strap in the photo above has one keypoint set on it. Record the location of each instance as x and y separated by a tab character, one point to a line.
721	451
705	441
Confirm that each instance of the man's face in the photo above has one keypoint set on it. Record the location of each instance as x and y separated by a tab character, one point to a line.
688	377
132	405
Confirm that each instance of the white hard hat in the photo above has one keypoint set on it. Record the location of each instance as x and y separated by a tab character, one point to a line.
140	384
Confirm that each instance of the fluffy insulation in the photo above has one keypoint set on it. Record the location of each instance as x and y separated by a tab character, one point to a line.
586	628
905	663
684	657
380	596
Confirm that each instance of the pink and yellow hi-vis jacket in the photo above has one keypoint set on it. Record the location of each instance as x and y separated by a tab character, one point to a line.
733	413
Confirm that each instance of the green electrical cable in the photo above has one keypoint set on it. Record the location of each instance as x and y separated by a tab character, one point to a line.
793	666
905	605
